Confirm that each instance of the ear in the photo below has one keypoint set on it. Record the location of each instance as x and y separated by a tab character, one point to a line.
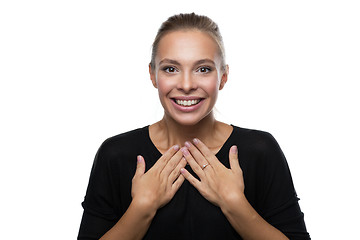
224	77
152	75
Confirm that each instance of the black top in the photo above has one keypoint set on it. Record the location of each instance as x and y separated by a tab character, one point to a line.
268	188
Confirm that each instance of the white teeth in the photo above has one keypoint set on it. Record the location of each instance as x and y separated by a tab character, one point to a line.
187	102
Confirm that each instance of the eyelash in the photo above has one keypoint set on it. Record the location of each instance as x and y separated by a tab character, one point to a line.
167	69
207	69
204	69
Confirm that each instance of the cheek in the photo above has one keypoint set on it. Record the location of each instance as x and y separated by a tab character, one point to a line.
163	86
211	87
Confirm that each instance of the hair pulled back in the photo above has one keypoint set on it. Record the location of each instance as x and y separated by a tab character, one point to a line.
189	21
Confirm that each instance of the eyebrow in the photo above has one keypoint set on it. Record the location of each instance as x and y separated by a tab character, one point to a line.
206	60
167	60
201	61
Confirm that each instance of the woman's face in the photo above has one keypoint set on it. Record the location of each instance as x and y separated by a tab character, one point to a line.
188	75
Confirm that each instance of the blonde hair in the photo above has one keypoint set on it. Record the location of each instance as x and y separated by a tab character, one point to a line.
189	21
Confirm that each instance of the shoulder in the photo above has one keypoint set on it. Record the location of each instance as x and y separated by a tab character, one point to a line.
260	151
258	146
261	140
126	137
124	142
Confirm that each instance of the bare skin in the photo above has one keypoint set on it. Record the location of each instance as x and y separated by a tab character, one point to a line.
188	66
221	186
150	191
225	188
167	133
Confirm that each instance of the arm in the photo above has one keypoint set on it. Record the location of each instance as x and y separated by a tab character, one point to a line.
150	191
225	188
247	222
133	224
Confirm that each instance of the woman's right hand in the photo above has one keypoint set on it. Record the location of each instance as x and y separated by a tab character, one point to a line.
150	191
156	187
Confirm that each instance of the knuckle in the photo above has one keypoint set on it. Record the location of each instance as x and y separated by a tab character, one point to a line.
134	179
171	164
209	155
172	175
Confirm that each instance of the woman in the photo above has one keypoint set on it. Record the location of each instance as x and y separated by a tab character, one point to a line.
195	177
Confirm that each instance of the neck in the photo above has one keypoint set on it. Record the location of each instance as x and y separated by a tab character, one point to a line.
167	132
176	133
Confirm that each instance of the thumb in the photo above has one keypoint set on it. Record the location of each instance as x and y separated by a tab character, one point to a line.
233	159
140	166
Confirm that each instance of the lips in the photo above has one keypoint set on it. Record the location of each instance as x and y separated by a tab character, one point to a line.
187	101
187	104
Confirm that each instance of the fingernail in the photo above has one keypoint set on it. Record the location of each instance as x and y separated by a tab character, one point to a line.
139	158
196	141
233	149
185	151
187	144
182	171
176	147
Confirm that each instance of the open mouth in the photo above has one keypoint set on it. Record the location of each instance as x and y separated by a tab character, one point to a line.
187	103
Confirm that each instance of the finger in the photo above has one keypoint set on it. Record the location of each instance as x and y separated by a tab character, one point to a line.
234	160
206	152
197	155
192	180
192	162
176	172
140	166
171	164
177	184
161	163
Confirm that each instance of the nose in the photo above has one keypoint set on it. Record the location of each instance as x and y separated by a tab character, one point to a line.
187	82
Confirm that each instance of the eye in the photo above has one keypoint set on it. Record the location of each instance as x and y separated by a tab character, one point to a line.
204	69
169	69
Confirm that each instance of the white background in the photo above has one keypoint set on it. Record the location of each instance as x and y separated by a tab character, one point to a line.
74	73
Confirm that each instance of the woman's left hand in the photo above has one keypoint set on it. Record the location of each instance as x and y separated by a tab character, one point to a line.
220	185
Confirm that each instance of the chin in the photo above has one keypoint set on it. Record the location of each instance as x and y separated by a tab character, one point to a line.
184	118
187	119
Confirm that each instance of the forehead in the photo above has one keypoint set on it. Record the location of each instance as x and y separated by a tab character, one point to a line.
187	45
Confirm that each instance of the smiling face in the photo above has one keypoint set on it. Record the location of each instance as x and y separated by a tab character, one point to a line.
188	75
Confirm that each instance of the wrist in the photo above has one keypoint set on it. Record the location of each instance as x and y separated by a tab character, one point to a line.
235	204
142	207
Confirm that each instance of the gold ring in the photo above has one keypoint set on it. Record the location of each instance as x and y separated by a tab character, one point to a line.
204	166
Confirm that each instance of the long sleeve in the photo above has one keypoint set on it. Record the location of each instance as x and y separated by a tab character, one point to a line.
99	215
268	188
276	198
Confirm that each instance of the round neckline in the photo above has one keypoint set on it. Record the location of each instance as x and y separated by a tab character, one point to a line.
224	146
